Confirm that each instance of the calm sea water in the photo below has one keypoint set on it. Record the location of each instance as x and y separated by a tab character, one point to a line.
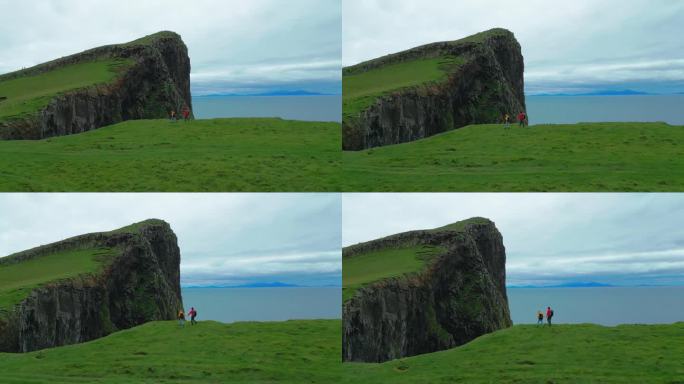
308	108
606	306
264	304
576	109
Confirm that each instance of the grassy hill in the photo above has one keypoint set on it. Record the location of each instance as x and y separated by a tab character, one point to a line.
302	351
159	155
580	157
30	93
528	354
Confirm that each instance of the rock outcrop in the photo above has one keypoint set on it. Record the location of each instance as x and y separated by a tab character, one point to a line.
157	81
141	283
486	86
460	295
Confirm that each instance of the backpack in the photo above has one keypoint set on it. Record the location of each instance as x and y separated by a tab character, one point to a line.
552	313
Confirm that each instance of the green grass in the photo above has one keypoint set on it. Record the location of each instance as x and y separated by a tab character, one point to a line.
302	351
527	354
360	270
581	157
361	89
19	279
159	155
29	94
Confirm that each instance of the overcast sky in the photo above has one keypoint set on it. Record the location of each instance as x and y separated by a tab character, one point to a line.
235	46
224	238
622	239
569	46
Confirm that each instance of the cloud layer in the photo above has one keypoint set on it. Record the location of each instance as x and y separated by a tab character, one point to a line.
568	46
623	239
235	46
227	239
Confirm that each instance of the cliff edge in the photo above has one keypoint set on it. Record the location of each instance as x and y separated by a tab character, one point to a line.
89	286
431	89
456	293
142	79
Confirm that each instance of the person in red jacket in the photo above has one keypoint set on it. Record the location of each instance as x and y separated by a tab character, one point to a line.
549	315
193	314
186	113
522	118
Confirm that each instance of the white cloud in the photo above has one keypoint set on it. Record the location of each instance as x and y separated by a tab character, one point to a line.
547	236
579	41
229	235
251	37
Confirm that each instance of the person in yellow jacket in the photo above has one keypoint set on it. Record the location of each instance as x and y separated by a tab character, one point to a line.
181	318
540	318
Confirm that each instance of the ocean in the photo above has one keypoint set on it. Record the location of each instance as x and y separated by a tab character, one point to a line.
576	109
605	305
264	304
308	108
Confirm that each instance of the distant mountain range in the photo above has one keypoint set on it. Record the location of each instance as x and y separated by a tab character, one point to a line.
608	92
272	93
275	284
590	284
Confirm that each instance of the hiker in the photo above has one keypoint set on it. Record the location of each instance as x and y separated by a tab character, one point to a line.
186	113
540	318
507	121
549	315
172	115
522	117
193	314
181	318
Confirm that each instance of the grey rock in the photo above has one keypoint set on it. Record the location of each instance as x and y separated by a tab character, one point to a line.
459	296
141	284
157	82
488	85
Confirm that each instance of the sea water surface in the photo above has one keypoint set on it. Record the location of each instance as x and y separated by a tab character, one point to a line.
576	109
264	304
604	305
307	108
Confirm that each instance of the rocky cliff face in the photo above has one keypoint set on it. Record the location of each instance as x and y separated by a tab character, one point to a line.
158	81
486	86
459	296
141	284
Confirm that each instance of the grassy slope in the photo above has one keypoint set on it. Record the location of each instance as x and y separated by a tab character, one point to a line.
160	352
561	354
29	94
158	155
17	280
366	268
360	90
580	157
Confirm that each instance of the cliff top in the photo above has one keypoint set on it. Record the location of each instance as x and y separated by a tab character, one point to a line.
31	89
82	256
427	64
393	256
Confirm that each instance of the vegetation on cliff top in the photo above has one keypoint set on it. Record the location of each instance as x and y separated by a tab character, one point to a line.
30	93
361	87
369	267
201	155
359	91
302	351
582	353
17	280
584	157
